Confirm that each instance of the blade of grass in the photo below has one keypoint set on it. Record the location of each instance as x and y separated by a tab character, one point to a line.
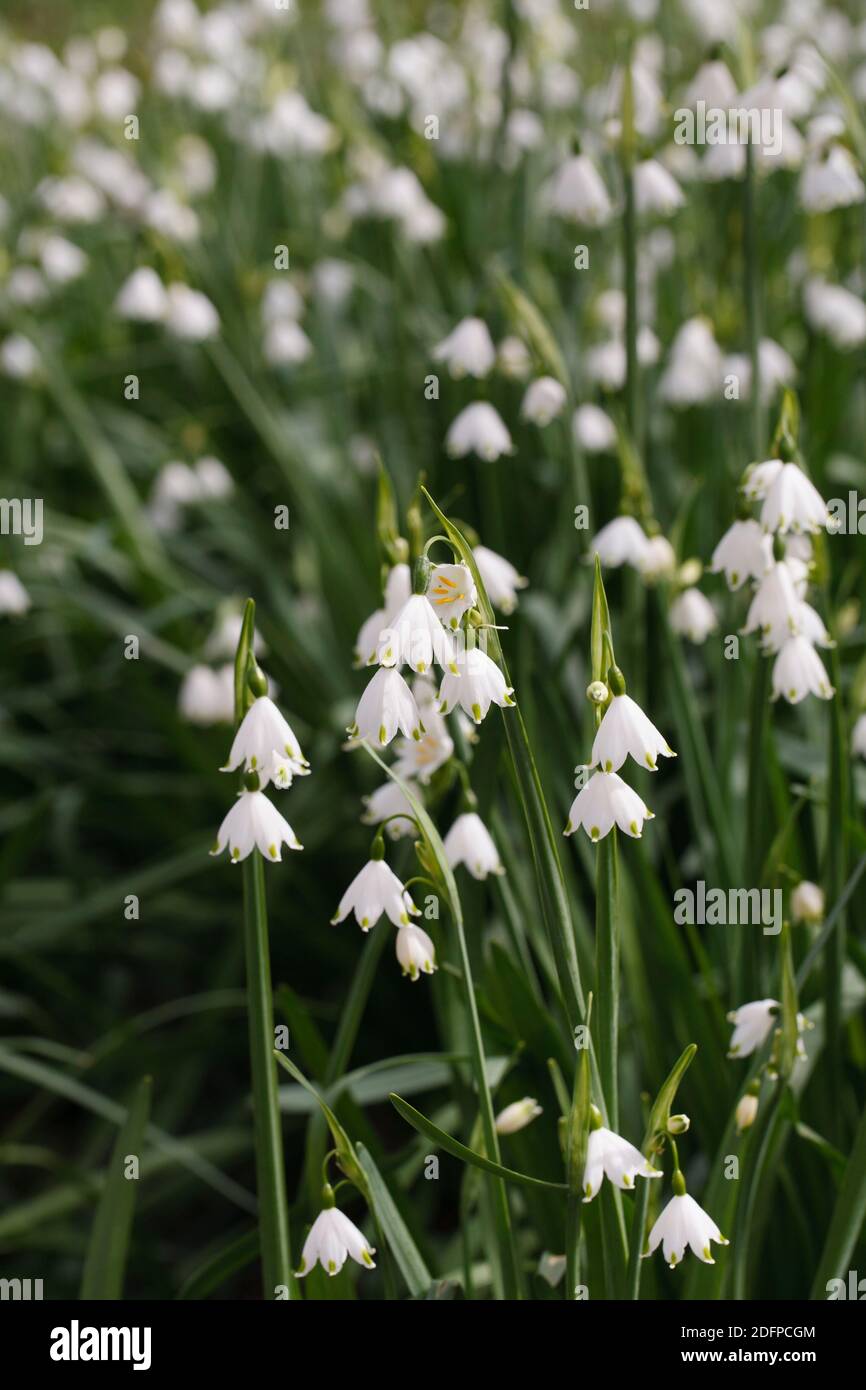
105	1265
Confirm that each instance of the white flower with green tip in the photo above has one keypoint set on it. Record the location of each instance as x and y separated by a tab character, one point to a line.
684	1225
265	744
386	706
625	730
254	823
605	801
415	952
478	684
333	1238
469	842
376	889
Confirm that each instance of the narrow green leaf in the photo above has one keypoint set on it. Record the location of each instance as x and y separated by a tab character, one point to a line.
458	1150
418	1278
848	1217
107	1252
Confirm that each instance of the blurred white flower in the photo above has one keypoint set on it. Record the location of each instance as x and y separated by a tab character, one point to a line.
285	343
625	730
415	951
215	480
798	672
517	1115
374	890
577	192
116	93
656	192
658	560
332	1239
62	260
621	542
695	366
468	350
478	429
759	478
254	823
693	616
606	800
14	598
478	684
499	577
386	801
833	310
807	903
793	503
831	181
593	429
208	696
190	315
142	297
544	400
19	357
774	609
744	552
386	705
858	737
469	842
513	358
398	589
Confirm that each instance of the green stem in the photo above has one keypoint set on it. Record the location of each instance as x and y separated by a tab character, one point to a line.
607	973
632	391
835	871
638	1222
751	272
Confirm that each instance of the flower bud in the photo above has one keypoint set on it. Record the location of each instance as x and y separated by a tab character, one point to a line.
807	903
690	573
597	693
747	1109
517	1115
678	1124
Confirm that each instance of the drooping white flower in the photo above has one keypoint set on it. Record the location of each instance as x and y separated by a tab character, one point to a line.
419	758
386	705
693	616
499	577
517	1115
798	671
332	1239
807	903
753	1024
469	842
374	890
811	626
744	552
606	800
612	1157
415	952
544	400
775	607
285	344
577	192
207	696
624	730
658	560
142	297
254	822
190	315
478	429
451	592
621	542
793	503
835	311
759	478
398	590
14	598
655	190
858	737
593	429
478	684
695	369
513	358
386	801
62	260
831	181
468	350
416	638
682	1224
19	357
266	745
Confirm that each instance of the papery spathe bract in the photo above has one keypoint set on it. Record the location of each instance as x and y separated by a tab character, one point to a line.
684	1225
333	1238
499	577
386	706
612	1157
478	684
469	842
624	730
744	552
415	952
798	671
374	890
255	823
451	593
605	801
266	744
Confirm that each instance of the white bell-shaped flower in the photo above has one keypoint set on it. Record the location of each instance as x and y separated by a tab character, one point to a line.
469	842
500	578
255	823
577	192
798	671
753	1024
793	503
621	542
605	801
593	429
744	552
775	608
517	1115
374	890
478	684
811	626
415	952
612	1157
479	429
398	590
693	616
332	1240
451	592
265	744
417	638
658	560
14	598
759	478
807	903
468	350
544	399
656	192
624	730
386	705
388	801
684	1225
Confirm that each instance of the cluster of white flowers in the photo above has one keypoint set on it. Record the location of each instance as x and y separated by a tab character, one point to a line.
774	553
606	800
181	485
